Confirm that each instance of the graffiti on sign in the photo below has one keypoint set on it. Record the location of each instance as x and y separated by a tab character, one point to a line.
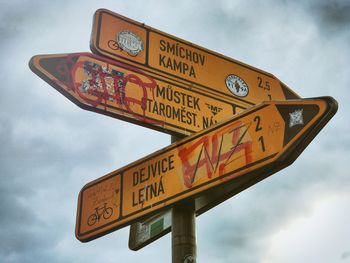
239	151
121	91
210	153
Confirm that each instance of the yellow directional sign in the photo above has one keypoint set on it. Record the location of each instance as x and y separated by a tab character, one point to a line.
151	50
239	151
116	89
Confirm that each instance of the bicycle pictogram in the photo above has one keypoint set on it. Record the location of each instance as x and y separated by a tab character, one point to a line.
104	211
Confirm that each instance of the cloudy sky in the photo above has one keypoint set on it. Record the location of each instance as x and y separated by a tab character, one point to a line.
50	148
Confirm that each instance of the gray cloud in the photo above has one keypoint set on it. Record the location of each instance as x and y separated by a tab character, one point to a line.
345	255
335	14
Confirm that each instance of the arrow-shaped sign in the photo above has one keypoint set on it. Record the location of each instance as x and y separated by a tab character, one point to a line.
151	50
238	152
113	88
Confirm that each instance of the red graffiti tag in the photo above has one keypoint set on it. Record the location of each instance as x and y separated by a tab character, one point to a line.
103	85
225	144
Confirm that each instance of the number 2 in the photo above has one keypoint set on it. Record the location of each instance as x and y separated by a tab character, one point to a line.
257	119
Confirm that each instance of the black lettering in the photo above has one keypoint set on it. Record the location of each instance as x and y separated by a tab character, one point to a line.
141	195
176	96
160	92
133	199
160	188
158	167
181	53
189	101
176	114
149	104
162	45
258	127
153	169
192	72
189	55
196	103
161	60
169	64
184	68
201	59
143	176
161	109
195	119
183	96
155	108
171	162
262	144
168	111
189	119
195	57
207	123
148	191
164	166
153	190
135	177
169	94
171	48
177	66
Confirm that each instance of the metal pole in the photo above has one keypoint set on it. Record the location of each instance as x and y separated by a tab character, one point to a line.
183	230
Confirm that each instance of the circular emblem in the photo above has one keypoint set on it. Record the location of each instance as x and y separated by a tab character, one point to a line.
189	259
237	85
130	42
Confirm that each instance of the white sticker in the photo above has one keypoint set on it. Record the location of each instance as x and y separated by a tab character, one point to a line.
296	118
237	85
130	42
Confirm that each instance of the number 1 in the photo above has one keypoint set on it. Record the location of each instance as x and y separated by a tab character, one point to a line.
262	144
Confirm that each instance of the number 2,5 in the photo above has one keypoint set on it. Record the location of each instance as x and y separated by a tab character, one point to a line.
263	85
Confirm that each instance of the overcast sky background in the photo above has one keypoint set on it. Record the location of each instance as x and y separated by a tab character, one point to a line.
50	148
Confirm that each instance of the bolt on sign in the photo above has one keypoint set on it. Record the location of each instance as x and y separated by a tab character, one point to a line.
151	50
116	89
239	151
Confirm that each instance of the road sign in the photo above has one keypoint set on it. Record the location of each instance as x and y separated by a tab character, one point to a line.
151	50
239	151
116	89
151	228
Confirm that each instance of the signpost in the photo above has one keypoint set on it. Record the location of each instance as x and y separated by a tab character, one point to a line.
118	90
238	152
151	50
150	229
150	78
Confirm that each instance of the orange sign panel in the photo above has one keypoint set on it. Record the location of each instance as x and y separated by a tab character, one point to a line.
239	151
124	92
121	38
